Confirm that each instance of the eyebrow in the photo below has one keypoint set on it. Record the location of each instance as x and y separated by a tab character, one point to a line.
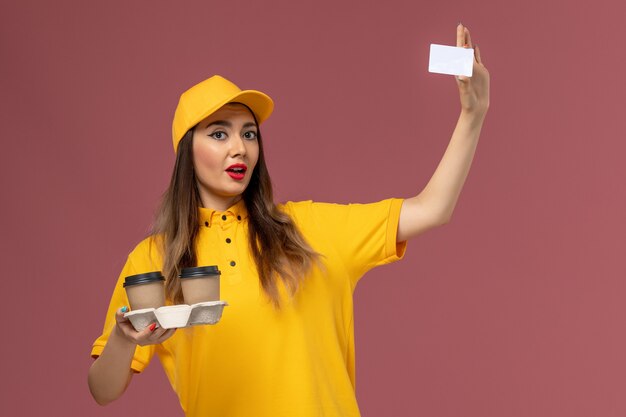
220	123
229	124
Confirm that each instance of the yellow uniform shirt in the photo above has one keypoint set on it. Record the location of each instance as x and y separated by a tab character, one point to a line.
259	361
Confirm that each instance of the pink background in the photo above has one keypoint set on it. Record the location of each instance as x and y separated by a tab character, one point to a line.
513	309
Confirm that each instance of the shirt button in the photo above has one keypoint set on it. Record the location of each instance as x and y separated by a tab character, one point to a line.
224	217
233	263
228	240
238	217
206	224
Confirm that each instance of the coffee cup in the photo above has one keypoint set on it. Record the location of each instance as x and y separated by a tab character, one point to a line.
145	290
200	284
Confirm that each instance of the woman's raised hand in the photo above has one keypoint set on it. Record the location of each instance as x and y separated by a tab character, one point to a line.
474	90
151	335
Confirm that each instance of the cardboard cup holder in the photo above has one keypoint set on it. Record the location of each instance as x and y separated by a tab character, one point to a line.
177	316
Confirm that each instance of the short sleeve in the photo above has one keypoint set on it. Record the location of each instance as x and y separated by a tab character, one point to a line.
141	260
363	235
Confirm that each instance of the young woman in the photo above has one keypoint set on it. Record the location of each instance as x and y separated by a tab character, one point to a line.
285	344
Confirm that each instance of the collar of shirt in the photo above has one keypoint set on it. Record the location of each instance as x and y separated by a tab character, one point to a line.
235	213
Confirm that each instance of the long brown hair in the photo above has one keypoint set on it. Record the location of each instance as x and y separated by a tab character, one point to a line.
278	248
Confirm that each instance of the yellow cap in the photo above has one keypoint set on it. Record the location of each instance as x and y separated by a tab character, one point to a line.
205	98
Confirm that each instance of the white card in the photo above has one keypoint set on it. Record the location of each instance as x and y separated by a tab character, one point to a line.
451	60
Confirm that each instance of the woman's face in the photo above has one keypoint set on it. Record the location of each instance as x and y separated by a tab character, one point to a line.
225	152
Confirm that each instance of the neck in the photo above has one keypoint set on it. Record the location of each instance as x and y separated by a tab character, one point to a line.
219	203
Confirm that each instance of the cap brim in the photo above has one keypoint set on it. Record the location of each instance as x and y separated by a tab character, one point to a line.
260	104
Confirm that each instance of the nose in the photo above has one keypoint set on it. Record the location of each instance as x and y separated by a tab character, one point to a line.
237	147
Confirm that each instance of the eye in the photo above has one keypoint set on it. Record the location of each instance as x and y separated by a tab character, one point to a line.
219	135
251	134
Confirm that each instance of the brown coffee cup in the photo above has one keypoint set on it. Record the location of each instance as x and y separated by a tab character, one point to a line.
145	290
200	284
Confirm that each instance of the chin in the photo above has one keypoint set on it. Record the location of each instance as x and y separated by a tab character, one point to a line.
235	191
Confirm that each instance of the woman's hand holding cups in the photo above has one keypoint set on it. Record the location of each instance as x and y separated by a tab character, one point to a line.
151	335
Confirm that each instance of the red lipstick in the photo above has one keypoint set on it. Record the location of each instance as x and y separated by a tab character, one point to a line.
237	171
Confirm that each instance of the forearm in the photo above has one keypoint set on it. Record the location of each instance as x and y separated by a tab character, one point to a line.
110	373
434	205
442	191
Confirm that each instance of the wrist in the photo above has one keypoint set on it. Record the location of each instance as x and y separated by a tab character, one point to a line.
473	117
477	113
119	338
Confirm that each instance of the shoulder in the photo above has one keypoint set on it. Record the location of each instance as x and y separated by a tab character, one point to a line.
316	208
313	217
303	213
147	254
148	244
294	207
304	210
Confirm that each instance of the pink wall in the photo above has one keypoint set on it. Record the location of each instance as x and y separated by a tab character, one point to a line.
513	309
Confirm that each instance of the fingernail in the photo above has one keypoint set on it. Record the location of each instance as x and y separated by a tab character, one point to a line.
460	24
152	327
124	309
